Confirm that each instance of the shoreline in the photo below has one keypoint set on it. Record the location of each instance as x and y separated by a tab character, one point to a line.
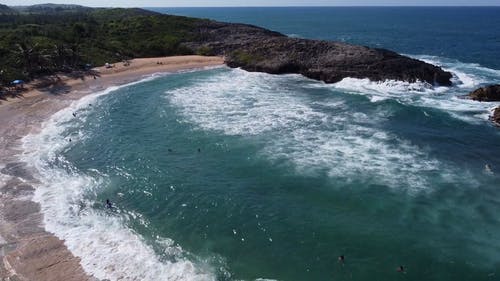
27	250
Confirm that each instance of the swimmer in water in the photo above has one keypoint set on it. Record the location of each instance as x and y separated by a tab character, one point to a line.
108	204
487	169
341	259
401	269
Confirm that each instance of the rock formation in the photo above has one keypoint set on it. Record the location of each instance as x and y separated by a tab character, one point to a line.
495	118
488	93
256	49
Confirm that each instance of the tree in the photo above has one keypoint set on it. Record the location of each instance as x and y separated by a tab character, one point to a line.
30	58
60	56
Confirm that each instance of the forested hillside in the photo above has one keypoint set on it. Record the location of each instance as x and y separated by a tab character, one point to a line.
44	39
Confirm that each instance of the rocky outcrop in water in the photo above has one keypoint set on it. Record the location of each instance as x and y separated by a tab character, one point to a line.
488	93
495	118
257	49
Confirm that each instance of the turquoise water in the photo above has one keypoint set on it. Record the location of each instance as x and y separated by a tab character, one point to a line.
221	174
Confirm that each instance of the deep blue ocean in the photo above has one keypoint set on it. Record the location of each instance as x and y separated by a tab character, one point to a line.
222	174
467	34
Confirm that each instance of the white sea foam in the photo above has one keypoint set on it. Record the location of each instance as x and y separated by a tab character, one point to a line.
107	248
345	144
364	155
466	77
236	110
471	69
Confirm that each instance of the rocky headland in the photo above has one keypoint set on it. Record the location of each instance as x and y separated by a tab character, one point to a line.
257	49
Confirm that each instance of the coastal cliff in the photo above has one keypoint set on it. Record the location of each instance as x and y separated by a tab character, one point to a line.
256	49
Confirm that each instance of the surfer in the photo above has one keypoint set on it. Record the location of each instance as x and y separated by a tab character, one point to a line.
401	269
199	150
169	150
74	114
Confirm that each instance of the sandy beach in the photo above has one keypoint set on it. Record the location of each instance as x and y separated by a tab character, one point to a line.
27	251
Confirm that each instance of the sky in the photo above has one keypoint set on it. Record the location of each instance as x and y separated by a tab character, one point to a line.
239	3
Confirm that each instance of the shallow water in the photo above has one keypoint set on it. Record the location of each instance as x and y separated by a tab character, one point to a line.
223	174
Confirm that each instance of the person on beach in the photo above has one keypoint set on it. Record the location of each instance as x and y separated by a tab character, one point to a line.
108	204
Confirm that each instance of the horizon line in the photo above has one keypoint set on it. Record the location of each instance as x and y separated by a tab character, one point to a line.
283	6
322	6
325	6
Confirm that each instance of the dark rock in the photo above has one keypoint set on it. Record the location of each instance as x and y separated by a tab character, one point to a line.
495	118
256	49
488	93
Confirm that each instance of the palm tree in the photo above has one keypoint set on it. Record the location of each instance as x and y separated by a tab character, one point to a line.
60	55
31	58
25	56
75	54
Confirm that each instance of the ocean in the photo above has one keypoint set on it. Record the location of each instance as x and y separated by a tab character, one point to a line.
222	174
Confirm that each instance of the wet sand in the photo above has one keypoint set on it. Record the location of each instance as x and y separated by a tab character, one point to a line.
27	251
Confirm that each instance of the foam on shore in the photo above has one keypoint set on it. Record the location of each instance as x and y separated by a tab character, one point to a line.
107	248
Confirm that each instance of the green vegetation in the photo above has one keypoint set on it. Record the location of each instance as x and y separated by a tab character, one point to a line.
245	58
46	39
205	51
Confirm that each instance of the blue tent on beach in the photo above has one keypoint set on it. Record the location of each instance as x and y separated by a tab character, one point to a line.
17	82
